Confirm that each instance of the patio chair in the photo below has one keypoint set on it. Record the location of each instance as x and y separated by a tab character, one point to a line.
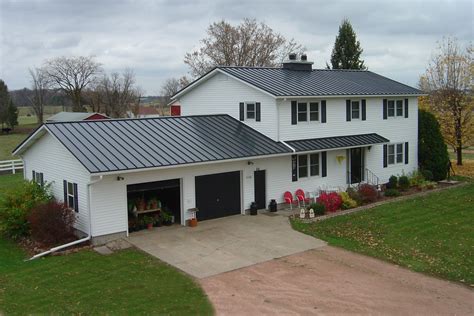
302	199
288	197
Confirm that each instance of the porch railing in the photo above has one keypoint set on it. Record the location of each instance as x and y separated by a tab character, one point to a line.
368	177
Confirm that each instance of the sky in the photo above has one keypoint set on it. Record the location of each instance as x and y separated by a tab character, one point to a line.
152	37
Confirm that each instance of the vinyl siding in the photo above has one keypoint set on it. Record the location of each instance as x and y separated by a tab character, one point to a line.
49	156
222	94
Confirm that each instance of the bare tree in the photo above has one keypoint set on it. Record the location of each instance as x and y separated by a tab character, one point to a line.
40	89
449	80
72	75
171	86
247	44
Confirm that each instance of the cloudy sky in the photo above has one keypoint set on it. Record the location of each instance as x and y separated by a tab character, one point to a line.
151	37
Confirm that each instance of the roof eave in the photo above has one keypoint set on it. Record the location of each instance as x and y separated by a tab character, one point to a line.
284	97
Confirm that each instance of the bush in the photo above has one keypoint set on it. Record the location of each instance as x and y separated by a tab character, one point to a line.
354	194
368	193
427	175
392	182
392	192
416	178
318	208
52	223
403	183
331	201
16	205
432	151
347	202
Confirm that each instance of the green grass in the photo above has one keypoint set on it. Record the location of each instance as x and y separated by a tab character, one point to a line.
8	143
431	234
126	282
9	180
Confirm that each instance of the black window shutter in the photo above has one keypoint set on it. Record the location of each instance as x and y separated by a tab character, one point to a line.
65	191
384	109
41	179
33	175
406	153
257	111
293	113
242	110
406	108
76	198
323	111
348	110
385	158
364	110
324	165
294	168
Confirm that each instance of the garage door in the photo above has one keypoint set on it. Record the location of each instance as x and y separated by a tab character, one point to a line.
218	195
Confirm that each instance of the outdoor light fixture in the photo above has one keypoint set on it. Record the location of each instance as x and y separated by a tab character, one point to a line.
369	148
250	163
119	178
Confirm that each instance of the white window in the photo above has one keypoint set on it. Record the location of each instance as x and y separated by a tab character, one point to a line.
355	110
304	108
71	198
308	165
38	178
250	111
395	154
395	108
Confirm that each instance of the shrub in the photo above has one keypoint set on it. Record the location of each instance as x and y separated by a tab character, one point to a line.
403	183
16	206
368	193
392	192
432	151
415	178
331	201
318	208
427	175
52	223
392	182
347	202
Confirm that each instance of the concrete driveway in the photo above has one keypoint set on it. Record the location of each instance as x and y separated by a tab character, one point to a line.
329	280
224	244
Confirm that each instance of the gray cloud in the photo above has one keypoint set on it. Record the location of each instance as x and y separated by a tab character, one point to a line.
152	37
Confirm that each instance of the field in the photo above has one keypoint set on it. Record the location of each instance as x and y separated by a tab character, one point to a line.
430	234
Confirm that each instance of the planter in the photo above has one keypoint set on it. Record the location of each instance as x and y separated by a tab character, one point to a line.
149	226
272	206
193	222
253	209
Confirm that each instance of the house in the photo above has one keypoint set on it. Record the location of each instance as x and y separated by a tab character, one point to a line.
246	134
76	116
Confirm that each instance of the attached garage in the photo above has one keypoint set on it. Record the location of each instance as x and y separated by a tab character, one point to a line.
218	195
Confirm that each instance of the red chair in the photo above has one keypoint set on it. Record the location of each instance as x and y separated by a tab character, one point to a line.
289	199
300	196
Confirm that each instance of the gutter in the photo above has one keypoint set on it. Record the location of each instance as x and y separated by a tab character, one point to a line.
292	149
75	242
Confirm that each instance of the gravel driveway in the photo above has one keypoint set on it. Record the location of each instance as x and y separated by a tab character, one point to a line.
329	280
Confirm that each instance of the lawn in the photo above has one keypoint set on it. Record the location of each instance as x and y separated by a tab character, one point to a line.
8	143
431	234
126	282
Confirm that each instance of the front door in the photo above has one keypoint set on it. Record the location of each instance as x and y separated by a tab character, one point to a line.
259	187
356	165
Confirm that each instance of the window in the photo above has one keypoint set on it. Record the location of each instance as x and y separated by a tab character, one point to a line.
355	110
395	108
70	196
38	178
250	110
308	165
395	154
304	108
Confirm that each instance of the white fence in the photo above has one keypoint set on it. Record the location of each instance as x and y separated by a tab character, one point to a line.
11	165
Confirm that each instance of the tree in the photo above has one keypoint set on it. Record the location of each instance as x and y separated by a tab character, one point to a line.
40	84
346	52
4	102
247	44
12	115
72	75
171	86
432	151
449	81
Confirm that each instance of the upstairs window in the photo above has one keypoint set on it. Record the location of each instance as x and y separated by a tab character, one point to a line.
314	111
250	111
355	110
305	108
395	108
302	112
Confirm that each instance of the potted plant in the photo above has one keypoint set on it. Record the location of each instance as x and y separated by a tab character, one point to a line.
153	203
166	217
141	204
158	221
148	220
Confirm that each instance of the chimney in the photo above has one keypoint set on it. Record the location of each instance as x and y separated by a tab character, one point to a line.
293	64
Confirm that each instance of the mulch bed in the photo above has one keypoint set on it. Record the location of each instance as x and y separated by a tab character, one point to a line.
405	195
33	247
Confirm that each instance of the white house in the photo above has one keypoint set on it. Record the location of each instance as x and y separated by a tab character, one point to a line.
245	135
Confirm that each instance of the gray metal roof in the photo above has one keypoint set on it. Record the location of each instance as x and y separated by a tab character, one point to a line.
125	144
319	82
336	142
69	116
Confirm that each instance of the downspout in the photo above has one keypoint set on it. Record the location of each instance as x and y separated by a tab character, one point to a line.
87	238
292	149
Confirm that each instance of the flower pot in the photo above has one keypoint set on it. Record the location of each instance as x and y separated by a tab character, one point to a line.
149	226
253	208
193	222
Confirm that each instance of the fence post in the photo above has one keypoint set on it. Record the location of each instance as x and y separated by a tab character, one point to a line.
13	166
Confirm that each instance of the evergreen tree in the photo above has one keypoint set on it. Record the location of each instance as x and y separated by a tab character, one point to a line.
12	115
346	52
4	102
432	151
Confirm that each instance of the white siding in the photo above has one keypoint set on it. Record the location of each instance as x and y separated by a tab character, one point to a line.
222	94
49	156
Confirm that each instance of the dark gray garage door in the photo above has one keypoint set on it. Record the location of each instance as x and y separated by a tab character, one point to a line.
218	195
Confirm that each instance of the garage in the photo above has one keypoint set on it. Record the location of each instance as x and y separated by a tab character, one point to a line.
218	195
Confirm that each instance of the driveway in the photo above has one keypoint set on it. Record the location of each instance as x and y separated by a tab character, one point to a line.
329	280
224	244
